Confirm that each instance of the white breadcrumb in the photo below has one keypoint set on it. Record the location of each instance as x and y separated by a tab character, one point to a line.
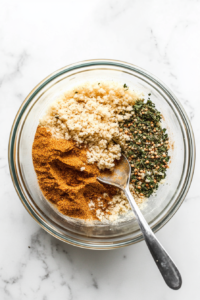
119	206
90	115
91	205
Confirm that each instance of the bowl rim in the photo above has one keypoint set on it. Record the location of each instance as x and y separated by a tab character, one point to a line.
99	62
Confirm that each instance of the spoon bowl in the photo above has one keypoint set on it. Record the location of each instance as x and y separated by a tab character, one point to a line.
118	177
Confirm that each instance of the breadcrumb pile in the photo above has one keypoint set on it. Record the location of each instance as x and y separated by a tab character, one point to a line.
119	206
90	115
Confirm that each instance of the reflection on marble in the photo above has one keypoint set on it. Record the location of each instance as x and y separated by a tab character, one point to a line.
37	38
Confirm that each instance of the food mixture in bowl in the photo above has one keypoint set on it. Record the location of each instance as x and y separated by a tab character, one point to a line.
86	131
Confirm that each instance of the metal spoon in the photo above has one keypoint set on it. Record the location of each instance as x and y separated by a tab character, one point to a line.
120	178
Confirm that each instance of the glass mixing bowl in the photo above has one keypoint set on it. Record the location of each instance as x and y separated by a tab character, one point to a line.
158	209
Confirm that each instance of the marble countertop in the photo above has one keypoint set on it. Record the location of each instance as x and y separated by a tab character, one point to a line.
39	37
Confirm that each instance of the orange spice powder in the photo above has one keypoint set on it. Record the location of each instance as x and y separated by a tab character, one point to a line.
66	179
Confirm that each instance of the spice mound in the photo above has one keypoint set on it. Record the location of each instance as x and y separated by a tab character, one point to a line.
68	181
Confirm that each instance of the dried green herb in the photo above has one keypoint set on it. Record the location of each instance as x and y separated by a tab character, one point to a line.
147	150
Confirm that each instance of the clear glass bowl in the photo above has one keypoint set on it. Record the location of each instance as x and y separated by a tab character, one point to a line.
158	209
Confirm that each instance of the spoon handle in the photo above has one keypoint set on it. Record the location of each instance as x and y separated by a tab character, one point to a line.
163	261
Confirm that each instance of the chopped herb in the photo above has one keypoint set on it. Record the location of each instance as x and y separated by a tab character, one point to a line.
147	150
125	86
76	92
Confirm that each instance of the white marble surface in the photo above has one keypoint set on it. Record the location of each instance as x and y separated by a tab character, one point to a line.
37	38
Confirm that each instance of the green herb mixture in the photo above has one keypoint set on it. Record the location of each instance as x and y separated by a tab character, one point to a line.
147	150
